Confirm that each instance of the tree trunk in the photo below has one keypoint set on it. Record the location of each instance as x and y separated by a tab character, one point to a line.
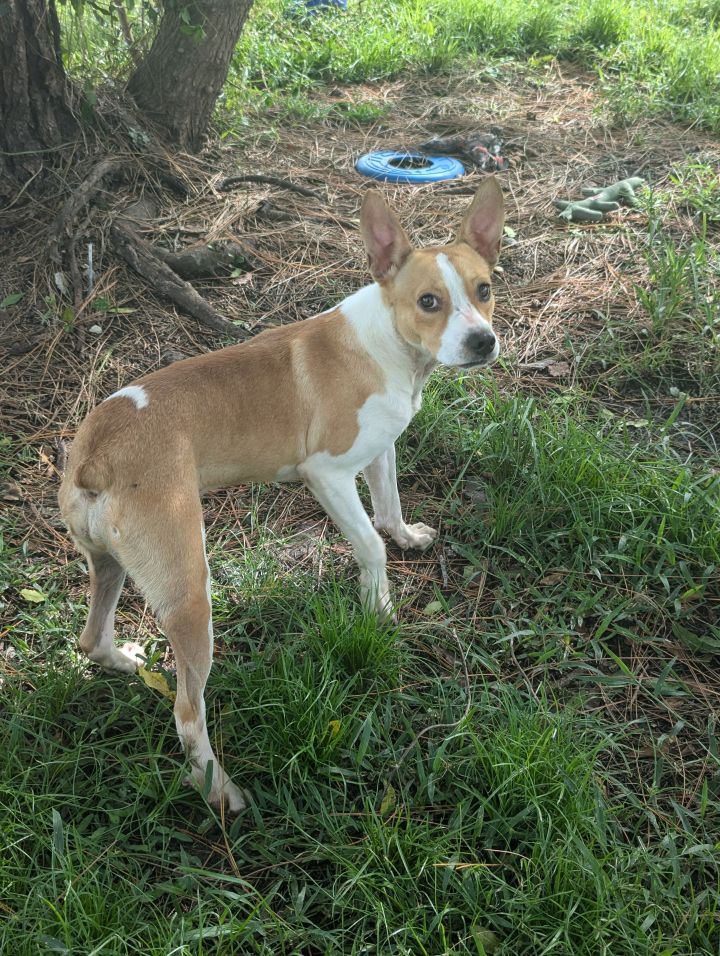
35	111
178	82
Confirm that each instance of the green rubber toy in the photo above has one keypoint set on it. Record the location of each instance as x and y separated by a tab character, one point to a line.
599	202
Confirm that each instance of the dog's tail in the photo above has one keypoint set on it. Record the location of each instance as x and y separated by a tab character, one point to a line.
92	474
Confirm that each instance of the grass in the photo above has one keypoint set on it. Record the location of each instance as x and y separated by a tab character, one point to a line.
654	56
675	348
409	795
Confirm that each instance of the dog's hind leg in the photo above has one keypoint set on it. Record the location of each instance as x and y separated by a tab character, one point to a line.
107	577
165	555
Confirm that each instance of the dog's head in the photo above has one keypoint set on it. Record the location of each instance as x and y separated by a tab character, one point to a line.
441	298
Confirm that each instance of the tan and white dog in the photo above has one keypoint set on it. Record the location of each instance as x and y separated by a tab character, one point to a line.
318	401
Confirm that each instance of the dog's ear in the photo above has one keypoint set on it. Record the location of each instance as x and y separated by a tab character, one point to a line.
482	227
386	244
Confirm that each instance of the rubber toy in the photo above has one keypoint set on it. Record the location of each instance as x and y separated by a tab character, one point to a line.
392	166
599	202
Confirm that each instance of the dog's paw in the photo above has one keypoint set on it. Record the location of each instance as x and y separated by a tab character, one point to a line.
133	654
230	795
419	536
120	660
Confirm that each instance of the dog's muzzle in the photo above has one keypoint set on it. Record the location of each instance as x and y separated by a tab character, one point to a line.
481	348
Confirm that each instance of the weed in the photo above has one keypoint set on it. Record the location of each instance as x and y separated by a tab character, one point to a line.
676	348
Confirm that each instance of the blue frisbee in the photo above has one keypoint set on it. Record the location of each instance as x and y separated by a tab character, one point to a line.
391	166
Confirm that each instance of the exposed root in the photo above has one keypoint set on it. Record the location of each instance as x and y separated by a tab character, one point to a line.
143	258
226	184
203	261
60	231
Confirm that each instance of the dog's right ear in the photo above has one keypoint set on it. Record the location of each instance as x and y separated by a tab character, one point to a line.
386	243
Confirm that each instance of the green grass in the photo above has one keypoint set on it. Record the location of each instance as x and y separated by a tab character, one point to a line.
409	794
675	347
654	56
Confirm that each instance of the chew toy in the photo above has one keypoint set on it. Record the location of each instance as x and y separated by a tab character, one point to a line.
599	202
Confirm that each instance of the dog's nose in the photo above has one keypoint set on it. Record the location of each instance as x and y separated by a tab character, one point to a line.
481	342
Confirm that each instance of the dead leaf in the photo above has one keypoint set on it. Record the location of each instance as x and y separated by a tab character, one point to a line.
555	577
434	607
156	682
388	801
245	279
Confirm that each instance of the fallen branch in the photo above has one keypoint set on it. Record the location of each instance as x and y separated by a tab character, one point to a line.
142	257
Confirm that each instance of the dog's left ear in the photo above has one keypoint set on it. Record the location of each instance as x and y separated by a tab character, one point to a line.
482	227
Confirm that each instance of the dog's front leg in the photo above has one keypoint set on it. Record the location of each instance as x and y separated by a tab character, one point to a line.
381	478
337	493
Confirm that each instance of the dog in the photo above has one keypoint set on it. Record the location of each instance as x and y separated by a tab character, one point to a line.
317	401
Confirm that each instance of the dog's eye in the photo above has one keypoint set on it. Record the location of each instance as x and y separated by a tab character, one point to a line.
429	302
483	292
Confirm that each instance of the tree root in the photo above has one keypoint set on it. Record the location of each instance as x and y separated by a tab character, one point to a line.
144	259
60	230
218	259
226	184
162	269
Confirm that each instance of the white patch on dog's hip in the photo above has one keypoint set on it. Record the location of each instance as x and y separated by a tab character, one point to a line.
136	394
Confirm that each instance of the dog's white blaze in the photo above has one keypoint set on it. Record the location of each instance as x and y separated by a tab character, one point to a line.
136	394
455	285
464	318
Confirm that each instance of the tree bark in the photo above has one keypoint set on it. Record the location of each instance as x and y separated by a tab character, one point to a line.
35	108
178	82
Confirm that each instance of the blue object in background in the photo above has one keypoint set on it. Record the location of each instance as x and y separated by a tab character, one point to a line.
391	166
319	4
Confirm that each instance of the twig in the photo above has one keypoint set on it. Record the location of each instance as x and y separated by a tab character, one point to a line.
225	184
